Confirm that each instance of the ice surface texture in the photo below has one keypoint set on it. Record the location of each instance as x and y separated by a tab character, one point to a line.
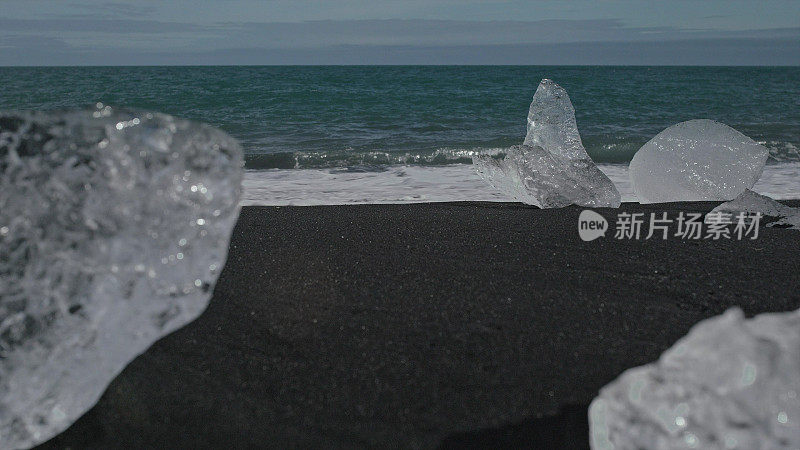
731	383
696	160
750	203
114	226
551	169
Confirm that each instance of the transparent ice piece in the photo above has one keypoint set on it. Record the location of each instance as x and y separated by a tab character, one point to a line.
749	203
551	169
696	160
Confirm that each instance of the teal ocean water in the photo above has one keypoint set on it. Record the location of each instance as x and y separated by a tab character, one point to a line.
379	118
341	116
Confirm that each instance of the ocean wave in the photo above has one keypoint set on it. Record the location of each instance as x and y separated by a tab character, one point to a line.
602	150
782	151
342	159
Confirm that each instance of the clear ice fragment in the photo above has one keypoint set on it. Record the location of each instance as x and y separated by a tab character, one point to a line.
114	226
696	160
731	383
750	203
551	169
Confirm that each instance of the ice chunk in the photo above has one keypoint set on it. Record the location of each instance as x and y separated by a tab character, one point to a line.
551	169
751	203
731	383
535	176
696	160
114	226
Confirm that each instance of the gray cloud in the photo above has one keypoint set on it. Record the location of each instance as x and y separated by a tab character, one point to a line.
431	32
33	43
108	10
86	25
685	52
373	32
448	32
78	40
120	9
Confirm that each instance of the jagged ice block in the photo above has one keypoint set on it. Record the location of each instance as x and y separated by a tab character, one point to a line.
551	169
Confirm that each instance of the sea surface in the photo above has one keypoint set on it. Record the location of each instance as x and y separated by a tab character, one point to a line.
385	134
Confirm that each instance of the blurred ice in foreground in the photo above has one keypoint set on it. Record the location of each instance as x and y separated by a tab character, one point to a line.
731	383
114	226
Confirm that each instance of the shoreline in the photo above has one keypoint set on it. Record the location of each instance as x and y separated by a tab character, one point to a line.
402	184
425	325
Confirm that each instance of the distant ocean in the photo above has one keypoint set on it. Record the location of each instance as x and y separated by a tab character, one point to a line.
376	134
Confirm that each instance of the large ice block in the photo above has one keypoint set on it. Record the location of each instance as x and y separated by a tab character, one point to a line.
696	160
114	226
551	169
731	383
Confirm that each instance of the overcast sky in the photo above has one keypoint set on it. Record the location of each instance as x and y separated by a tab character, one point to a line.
97	32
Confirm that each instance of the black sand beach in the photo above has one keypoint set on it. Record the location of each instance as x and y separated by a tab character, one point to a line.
425	325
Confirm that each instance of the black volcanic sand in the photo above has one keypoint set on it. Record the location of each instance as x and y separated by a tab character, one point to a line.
452	324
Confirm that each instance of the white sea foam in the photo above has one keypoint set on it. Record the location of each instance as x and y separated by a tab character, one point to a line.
450	183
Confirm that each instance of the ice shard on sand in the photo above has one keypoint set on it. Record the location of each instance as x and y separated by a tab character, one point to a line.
551	169
696	160
749	203
114	226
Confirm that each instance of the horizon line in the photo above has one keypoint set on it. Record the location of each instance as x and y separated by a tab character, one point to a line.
396	65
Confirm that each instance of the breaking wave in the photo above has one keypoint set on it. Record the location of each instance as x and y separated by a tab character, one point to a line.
604	151
359	159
